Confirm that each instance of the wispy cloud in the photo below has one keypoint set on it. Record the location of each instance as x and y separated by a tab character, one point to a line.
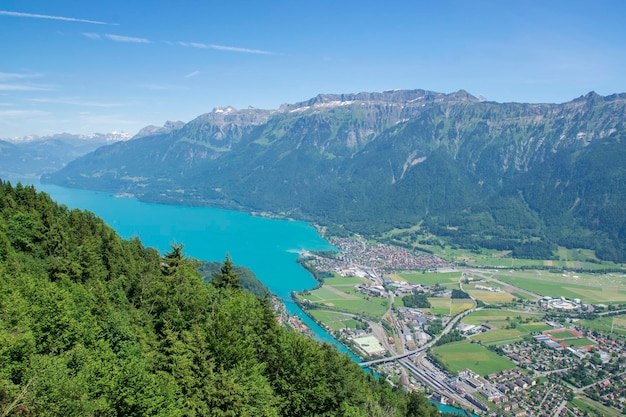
16	76
22	113
163	87
224	48
44	16
23	87
120	38
198	45
73	101
192	74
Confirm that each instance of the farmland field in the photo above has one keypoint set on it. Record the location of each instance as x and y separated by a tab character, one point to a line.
490	297
461	304
431	278
499	337
557	287
465	355
336	321
439	305
339	294
497	317
608	325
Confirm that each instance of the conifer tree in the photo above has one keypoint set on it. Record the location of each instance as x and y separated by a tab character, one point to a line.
227	277
172	259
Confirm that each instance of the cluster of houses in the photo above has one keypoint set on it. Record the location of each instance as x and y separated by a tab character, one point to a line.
498	387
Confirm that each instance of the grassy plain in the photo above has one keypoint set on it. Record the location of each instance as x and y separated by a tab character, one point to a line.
339	293
336	321
489	297
594	408
590	288
498	337
608	325
465	355
498	317
431	278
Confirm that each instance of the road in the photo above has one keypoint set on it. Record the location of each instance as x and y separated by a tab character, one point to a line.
445	331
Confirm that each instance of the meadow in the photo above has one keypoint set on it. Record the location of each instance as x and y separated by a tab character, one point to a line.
339	293
466	355
445	279
335	320
615	325
523	324
596	289
446	306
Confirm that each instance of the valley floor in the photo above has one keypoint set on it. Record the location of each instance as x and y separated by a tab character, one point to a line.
494	341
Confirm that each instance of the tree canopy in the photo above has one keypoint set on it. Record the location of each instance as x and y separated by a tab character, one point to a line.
94	325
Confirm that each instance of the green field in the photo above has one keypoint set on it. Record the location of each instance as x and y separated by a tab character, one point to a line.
459	305
339	294
336	321
439	305
606	325
594	408
431	278
497	317
489	297
465	355
500	337
589	292
579	342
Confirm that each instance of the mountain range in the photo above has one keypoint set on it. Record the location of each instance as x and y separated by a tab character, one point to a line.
474	173
32	156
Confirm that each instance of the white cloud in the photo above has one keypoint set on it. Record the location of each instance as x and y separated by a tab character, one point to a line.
224	48
163	87
192	74
43	16
77	102
92	35
120	38
13	76
236	49
22	113
23	87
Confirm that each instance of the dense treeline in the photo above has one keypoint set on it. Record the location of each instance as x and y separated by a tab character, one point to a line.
93	325
416	300
247	278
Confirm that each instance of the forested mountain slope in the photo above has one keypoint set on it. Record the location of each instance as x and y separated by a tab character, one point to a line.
505	175
93	325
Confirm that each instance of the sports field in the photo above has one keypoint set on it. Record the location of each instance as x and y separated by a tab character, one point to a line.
465	355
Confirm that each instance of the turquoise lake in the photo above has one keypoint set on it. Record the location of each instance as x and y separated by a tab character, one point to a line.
269	247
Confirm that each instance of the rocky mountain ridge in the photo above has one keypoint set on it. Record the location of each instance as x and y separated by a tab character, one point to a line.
370	162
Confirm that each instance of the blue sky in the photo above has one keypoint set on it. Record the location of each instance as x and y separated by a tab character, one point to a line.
99	66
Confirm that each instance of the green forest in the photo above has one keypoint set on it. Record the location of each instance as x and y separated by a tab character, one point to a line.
95	325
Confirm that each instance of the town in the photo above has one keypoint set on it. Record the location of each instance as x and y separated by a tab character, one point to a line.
477	339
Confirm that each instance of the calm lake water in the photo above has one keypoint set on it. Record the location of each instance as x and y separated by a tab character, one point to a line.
269	247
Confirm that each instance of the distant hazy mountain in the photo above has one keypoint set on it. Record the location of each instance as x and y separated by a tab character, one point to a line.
156	130
32	156
514	176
